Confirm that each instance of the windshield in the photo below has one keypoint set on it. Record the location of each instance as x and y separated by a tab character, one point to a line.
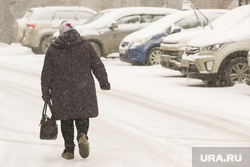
96	17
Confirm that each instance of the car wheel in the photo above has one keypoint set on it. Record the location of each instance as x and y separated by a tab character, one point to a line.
44	45
97	48
153	56
35	50
237	71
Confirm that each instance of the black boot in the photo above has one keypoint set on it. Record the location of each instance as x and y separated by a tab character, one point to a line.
68	152
83	145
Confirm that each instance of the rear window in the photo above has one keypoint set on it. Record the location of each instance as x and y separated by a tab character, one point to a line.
64	15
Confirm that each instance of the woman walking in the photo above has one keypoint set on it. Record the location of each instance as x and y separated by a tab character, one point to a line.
67	81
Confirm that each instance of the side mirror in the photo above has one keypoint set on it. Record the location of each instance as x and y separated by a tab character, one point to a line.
173	29
177	29
113	26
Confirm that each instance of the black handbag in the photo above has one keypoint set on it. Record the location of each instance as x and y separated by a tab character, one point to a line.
49	128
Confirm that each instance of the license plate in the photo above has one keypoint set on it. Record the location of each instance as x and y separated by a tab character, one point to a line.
185	63
165	58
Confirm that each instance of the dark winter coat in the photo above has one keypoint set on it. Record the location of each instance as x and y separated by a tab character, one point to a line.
67	77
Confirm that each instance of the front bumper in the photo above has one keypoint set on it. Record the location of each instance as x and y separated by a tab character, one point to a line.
171	59
133	55
193	72
197	66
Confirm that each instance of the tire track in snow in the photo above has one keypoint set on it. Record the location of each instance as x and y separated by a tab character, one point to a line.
198	117
182	113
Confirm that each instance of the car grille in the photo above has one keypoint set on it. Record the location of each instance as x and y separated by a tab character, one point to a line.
192	50
174	55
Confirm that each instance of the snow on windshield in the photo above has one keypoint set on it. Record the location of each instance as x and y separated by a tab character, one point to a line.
96	17
231	18
164	23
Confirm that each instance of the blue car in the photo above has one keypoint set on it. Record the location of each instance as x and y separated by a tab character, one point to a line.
143	46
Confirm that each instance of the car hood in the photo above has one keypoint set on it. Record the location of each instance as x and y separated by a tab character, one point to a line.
237	33
87	31
219	37
185	36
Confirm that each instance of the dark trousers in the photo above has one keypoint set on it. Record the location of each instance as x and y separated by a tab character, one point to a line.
67	128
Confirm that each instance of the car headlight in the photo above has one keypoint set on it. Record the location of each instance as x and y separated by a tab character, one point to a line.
141	41
214	47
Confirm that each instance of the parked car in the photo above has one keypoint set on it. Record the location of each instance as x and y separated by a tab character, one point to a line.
143	46
39	24
106	30
173	46
220	58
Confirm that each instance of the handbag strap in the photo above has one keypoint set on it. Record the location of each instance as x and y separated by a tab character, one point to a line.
45	107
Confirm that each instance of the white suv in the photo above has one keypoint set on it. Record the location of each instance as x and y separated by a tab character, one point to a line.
220	58
39	24
173	46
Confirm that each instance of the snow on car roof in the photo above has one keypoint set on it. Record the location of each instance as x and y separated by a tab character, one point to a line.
110	15
62	8
226	21
49	10
142	10
162	24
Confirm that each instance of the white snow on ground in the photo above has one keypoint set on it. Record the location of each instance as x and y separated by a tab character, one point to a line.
152	117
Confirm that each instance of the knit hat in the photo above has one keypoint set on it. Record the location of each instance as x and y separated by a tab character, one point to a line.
65	26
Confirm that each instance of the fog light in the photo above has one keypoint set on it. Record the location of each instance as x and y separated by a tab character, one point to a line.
209	65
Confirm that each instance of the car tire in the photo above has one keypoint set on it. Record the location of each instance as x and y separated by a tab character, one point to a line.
237	71
35	50
213	82
45	43
153	56
97	48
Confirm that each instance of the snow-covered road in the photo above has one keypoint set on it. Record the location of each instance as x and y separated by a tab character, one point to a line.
152	117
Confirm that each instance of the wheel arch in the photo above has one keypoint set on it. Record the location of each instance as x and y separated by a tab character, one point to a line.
149	52
231	56
99	43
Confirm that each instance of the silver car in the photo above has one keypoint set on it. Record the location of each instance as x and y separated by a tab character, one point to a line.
106	30
39	24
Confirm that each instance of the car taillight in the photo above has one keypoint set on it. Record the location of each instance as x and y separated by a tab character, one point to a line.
31	26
